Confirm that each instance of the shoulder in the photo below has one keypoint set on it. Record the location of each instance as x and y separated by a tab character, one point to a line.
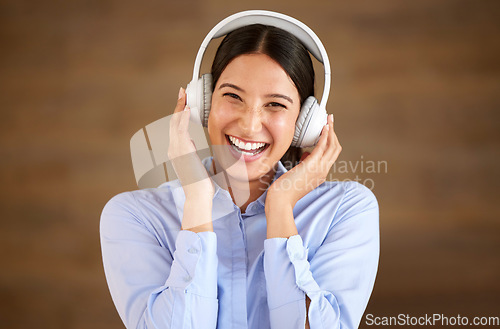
339	200
140	200
355	193
343	192
358	205
152	207
337	209
356	213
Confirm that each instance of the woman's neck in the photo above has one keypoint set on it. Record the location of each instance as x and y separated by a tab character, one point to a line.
243	192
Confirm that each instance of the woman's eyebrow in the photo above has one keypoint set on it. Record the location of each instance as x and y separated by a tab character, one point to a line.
230	85
281	96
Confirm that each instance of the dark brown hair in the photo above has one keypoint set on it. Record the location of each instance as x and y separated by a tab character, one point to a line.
281	46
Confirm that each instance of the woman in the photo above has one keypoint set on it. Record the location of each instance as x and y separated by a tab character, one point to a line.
257	246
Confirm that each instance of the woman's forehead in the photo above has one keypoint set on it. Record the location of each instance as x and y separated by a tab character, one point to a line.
257	72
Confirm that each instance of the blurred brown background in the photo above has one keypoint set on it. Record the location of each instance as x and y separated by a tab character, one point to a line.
416	84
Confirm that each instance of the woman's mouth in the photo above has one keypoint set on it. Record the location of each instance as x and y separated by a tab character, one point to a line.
247	148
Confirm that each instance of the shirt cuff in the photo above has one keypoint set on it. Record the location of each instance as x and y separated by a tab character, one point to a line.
297	254
287	272
194	268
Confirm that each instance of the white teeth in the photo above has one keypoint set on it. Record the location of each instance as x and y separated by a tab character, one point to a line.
245	146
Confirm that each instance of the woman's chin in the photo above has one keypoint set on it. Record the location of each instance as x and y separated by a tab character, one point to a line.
239	169
240	172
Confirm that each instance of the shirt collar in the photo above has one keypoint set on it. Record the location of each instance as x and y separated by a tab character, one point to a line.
260	202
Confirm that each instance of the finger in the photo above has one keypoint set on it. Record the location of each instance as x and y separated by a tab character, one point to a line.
334	149
332	138
314	162
181	100
183	123
180	141
320	147
179	108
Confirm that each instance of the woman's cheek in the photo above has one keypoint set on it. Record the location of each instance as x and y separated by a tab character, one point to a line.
283	126
222	110
216	115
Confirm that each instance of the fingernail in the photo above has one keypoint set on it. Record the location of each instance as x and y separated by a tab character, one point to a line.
186	108
331	117
180	93
327	126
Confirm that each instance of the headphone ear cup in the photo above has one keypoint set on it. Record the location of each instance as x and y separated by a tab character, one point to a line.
192	100
304	117
309	124
199	98
205	97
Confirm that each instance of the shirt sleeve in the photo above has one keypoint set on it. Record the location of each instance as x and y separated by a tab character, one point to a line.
150	286
338	279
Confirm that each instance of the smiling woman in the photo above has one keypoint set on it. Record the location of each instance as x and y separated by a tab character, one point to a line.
281	47
247	244
260	110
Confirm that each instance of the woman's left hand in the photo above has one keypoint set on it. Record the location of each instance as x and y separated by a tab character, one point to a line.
308	174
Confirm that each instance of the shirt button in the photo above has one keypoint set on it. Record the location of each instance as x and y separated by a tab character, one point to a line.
192	250
298	256
187	278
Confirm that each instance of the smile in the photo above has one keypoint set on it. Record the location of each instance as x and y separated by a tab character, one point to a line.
246	148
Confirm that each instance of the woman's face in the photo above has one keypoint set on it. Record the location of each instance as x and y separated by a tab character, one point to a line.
251	124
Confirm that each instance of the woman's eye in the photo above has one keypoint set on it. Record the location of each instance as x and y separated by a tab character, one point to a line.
277	105
232	96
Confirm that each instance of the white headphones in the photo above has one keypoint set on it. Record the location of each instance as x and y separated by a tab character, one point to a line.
312	115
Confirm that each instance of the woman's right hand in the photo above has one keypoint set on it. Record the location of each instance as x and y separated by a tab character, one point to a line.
197	185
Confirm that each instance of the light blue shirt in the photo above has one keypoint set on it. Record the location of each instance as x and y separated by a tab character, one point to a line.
163	277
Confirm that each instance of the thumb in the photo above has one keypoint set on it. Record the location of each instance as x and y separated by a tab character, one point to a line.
181	101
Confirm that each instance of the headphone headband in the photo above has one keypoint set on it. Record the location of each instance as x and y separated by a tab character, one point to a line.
284	22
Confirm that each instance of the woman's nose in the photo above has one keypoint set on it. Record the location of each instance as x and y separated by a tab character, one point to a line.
250	122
